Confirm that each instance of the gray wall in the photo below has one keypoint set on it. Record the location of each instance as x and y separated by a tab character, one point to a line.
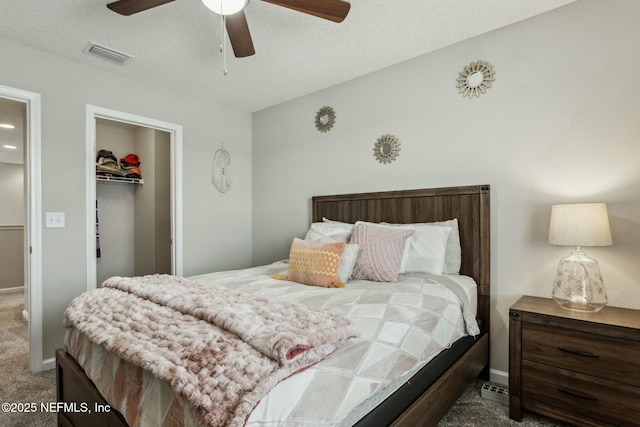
11	194
11	225
11	257
217	227
560	125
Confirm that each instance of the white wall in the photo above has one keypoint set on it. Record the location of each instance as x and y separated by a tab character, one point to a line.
217	227
116	207
11	194
560	125
11	222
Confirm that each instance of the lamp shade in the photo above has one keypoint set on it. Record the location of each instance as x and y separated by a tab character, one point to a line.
583	224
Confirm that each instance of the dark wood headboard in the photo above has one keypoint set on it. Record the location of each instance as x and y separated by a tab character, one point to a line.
469	204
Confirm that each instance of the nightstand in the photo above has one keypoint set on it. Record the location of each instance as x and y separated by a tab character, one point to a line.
581	368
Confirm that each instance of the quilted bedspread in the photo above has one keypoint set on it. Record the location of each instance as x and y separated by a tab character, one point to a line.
220	349
402	326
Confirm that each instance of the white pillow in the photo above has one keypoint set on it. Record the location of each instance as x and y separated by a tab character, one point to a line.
453	258
347	262
329	232
330	221
426	250
453	255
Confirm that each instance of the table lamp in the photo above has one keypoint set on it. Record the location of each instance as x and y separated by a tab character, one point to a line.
578	284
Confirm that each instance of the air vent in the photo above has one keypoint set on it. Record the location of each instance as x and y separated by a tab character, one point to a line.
108	53
496	392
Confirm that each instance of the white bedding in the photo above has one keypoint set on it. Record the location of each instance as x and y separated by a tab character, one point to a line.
469	286
403	325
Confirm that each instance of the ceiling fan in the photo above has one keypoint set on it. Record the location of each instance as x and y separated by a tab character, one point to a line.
235	20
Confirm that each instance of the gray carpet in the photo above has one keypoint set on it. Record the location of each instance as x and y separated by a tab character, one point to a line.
472	410
18	385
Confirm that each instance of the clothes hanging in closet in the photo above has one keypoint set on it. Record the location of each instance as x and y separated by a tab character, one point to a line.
98	250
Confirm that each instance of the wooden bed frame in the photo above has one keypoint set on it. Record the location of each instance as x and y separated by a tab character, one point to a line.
469	204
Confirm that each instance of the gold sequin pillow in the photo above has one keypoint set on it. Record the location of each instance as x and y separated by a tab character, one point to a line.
315	264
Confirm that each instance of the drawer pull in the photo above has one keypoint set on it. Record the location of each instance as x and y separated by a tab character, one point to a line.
578	395
577	353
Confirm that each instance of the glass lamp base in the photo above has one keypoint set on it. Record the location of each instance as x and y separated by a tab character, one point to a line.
578	285
578	306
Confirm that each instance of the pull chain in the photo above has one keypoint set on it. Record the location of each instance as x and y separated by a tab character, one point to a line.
223	46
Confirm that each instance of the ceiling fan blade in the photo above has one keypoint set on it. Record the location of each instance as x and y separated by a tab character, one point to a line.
129	7
239	35
333	10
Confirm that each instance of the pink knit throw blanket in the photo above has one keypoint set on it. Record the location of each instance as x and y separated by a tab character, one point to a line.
221	349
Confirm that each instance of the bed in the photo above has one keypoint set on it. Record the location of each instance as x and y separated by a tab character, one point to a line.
424	397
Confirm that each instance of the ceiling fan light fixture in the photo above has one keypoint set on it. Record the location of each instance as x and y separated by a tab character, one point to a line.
226	7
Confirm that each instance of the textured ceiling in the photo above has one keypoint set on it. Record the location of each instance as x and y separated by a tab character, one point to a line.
176	46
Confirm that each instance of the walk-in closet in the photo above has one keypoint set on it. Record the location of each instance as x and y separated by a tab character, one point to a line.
133	216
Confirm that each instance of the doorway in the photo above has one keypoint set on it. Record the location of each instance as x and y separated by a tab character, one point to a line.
28	106
12	193
161	237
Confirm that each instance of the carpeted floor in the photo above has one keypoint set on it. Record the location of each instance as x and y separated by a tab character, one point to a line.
18	385
471	410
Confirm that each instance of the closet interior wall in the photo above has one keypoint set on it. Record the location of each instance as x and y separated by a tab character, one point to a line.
12	235
134	219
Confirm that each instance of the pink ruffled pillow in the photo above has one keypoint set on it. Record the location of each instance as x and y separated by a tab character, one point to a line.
381	249
315	264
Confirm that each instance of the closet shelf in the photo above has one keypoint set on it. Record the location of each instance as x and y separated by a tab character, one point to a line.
120	179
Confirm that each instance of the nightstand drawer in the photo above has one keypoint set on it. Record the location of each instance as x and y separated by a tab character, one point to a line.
596	355
606	401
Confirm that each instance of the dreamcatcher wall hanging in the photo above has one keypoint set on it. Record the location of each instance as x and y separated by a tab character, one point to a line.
221	170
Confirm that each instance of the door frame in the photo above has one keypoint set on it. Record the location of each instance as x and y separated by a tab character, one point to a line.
92	113
33	247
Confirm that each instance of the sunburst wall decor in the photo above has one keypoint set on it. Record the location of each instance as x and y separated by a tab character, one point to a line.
386	148
325	119
475	79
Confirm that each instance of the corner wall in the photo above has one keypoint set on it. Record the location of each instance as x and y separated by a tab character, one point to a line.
559	125
217	227
11	226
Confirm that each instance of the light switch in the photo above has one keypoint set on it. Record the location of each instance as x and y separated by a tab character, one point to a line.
54	219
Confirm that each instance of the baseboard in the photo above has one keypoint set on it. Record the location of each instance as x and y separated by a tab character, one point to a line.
500	377
11	290
48	364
